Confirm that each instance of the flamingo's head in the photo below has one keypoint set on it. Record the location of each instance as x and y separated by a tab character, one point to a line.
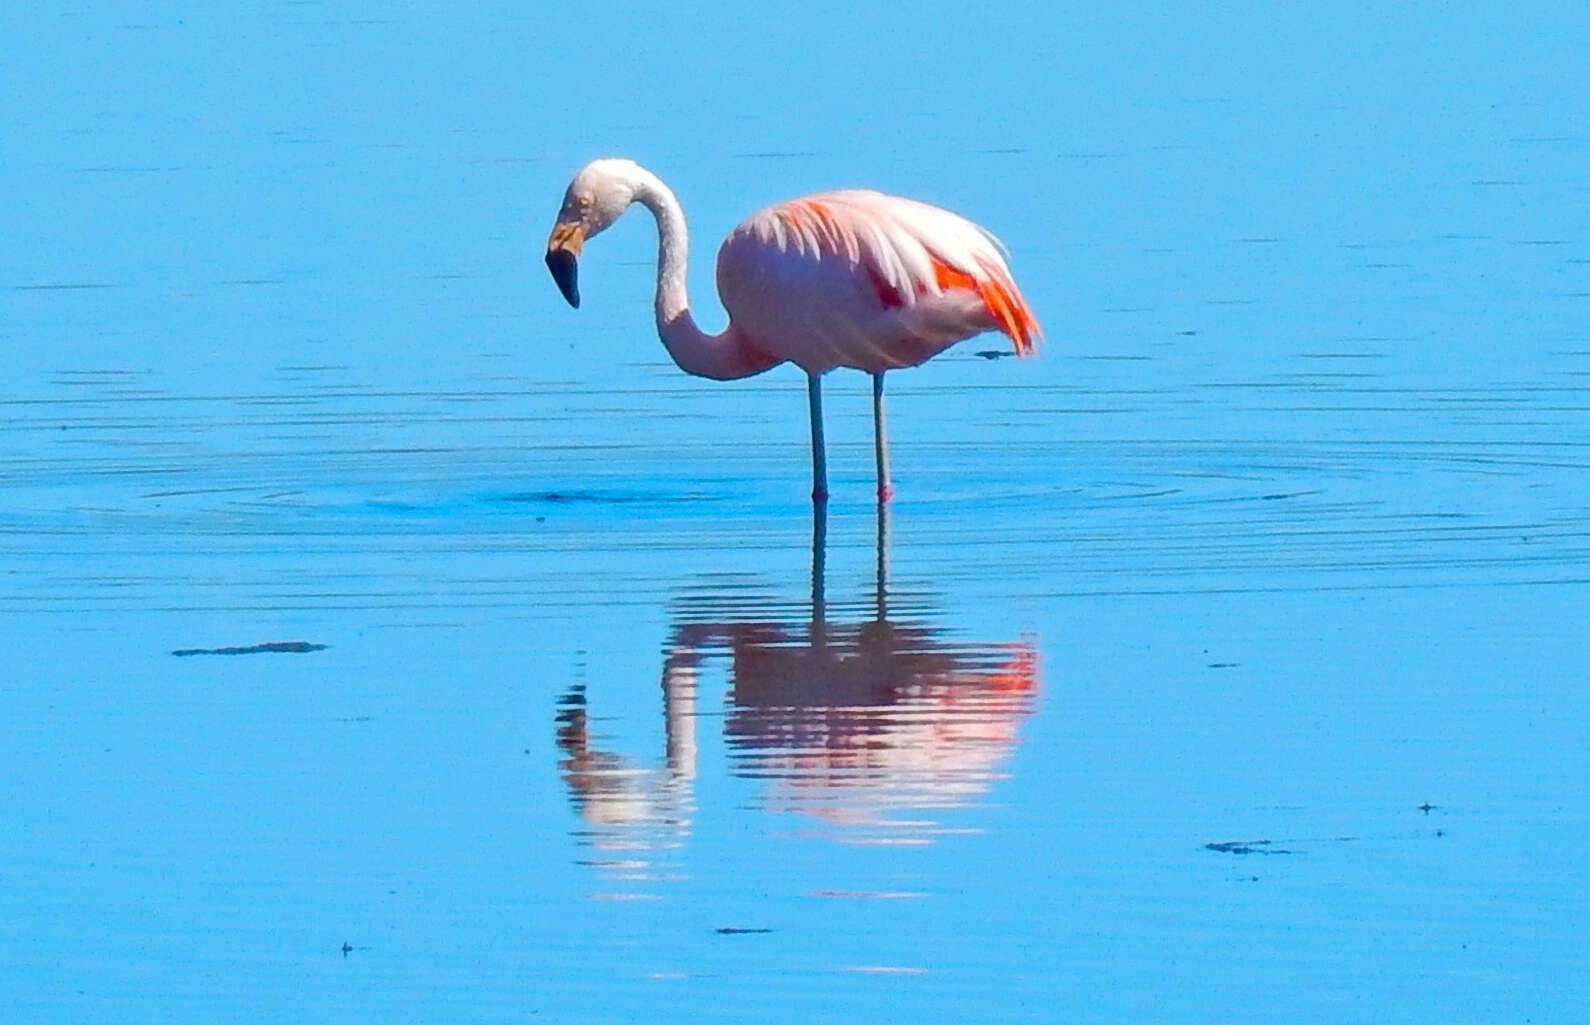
599	193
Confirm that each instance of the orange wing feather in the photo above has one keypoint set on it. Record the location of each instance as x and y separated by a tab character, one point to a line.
1000	297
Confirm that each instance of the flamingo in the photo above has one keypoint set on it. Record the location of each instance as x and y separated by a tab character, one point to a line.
852	278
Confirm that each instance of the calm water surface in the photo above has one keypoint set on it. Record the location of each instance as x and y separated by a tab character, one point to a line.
1224	664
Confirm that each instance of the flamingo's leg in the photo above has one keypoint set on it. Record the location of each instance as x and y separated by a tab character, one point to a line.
880	439
814	394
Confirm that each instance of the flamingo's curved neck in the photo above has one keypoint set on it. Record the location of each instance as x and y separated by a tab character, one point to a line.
722	356
673	248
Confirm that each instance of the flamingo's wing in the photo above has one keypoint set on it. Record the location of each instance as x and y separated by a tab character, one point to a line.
866	280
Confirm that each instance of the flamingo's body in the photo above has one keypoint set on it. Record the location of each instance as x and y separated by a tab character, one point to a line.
864	280
852	278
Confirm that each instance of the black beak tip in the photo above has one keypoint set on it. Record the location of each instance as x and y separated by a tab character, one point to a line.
565	271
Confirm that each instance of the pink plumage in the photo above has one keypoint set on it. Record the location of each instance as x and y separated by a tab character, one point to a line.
851	278
865	280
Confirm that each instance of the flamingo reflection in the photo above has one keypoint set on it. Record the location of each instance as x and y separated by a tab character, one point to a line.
870	721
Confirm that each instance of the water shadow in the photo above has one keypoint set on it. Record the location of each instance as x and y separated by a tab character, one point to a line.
870	723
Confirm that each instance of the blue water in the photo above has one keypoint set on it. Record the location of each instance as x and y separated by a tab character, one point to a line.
1227	665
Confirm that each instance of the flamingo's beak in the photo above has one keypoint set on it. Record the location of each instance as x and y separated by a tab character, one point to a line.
562	249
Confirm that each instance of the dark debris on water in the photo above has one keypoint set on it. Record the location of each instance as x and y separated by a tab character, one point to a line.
1246	847
605	498
268	648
